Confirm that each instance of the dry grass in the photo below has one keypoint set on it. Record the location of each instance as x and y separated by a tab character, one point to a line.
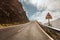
7	25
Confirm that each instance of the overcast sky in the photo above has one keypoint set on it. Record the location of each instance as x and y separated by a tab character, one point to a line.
38	9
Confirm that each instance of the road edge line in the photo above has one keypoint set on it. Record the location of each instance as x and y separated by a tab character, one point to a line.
45	32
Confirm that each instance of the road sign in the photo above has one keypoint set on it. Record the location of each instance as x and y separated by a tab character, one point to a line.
49	17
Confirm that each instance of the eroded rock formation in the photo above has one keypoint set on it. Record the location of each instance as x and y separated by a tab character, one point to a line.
11	11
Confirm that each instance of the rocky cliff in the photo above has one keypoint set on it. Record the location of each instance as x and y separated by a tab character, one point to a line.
11	11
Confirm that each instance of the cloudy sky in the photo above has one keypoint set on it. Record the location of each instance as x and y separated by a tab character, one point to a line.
38	9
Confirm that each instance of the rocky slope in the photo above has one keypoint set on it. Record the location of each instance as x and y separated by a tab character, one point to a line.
11	11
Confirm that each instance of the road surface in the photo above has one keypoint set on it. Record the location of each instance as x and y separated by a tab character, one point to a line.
29	31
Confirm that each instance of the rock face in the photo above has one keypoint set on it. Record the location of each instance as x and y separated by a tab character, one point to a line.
11	11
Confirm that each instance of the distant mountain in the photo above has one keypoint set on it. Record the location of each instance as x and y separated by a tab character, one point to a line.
56	23
11	11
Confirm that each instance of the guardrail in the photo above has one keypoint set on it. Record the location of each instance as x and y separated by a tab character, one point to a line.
53	32
52	28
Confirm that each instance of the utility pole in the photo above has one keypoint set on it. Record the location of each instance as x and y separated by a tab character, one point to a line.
48	17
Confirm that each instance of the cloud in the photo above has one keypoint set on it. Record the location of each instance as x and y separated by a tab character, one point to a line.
40	16
29	7
38	9
54	6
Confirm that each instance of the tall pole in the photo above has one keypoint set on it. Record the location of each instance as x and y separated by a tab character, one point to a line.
49	22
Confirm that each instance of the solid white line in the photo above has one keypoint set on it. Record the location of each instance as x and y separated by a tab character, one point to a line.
46	33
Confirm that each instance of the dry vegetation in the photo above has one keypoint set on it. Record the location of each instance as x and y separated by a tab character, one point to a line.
7	25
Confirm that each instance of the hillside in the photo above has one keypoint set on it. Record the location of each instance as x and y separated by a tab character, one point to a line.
56	23
11	11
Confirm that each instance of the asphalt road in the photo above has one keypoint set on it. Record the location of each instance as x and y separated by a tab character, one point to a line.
28	31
